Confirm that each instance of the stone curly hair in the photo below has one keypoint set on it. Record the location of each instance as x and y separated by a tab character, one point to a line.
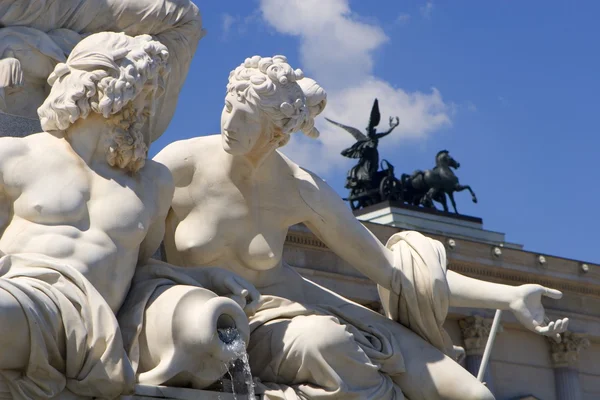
103	73
111	74
290	100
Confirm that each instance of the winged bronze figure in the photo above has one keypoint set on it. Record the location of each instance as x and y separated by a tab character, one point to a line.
363	179
365	148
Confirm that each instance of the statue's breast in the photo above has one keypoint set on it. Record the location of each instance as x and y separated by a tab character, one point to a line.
53	197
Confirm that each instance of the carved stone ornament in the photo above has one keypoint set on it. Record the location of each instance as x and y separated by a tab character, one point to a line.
566	353
475	331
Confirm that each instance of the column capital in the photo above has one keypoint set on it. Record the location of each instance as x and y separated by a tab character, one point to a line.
475	331
566	353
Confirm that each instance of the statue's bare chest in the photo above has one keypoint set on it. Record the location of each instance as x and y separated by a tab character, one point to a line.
244	220
53	192
66	191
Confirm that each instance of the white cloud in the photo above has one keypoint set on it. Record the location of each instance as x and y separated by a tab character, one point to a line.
228	21
237	25
336	49
427	9
403	18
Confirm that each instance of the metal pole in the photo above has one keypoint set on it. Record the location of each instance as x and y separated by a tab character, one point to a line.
490	343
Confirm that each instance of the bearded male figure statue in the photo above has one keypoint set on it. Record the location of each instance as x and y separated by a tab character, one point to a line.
76	205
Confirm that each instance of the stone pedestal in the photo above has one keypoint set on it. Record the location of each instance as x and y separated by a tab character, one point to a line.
170	393
426	220
475	331
565	357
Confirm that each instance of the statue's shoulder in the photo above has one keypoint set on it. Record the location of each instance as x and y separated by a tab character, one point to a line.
308	183
12	148
157	173
188	152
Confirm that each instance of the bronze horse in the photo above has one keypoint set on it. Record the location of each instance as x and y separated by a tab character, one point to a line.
423	187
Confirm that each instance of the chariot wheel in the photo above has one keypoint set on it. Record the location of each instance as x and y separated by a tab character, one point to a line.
354	204
390	188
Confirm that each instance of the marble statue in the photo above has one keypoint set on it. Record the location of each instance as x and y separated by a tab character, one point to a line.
236	196
35	35
27	57
81	212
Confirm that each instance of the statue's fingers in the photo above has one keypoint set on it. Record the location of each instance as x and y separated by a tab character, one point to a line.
252	295
234	287
552	293
249	289
557	326
562	325
542	330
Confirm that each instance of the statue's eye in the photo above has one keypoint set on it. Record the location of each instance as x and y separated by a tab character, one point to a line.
228	106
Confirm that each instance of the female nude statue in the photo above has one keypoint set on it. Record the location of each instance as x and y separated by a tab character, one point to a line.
236	196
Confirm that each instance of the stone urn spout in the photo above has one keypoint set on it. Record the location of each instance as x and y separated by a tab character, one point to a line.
180	343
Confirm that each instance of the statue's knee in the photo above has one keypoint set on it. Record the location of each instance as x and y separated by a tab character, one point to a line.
479	392
320	334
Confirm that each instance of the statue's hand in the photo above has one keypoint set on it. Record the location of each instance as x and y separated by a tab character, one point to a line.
527	308
226	283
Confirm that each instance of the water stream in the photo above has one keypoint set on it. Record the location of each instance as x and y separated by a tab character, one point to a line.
239	368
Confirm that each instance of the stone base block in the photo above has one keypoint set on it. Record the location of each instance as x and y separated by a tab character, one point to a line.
171	393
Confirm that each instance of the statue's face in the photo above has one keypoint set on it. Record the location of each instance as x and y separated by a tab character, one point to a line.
240	125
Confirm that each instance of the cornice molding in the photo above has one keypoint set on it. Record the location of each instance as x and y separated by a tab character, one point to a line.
512	276
486	272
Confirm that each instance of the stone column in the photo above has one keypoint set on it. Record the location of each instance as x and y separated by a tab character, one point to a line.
475	331
565	357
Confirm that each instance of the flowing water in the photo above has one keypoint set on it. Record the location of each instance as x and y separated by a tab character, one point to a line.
239	368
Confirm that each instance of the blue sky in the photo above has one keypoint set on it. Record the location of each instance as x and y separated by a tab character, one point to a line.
511	89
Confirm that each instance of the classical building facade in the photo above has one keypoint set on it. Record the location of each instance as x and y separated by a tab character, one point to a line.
523	365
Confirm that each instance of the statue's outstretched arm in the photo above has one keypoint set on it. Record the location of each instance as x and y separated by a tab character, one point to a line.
393	125
524	301
331	220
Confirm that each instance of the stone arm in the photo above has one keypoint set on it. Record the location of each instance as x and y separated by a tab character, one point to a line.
164	189
180	158
331	220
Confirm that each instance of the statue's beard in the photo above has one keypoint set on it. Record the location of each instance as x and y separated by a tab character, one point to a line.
126	149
